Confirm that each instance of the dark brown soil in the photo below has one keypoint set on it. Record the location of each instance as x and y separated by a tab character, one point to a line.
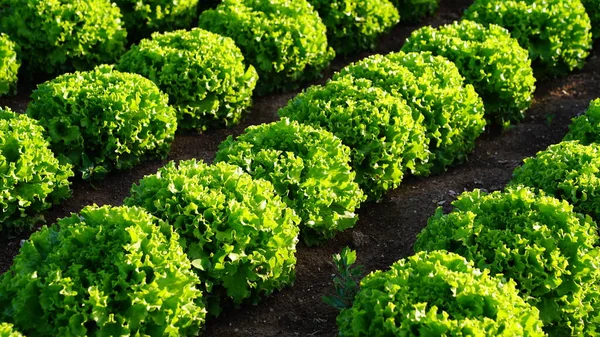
386	230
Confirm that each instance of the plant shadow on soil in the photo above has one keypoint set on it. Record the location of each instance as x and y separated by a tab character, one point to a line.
386	230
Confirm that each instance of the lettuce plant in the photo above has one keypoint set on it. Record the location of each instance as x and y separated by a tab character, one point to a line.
203	74
103	119
489	59
141	18
284	40
556	32
107	271
309	168
56	36
568	171
586	128
9	65
452	110
386	137
7	330
438	294
240	236
357	24
411	11
592	7
31	178
538	241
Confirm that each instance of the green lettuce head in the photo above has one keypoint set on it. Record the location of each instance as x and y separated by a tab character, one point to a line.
438	294
431	85
356	25
240	236
55	36
31	178
489	59
309	168
556	32
386	137
284	40
107	271
104	119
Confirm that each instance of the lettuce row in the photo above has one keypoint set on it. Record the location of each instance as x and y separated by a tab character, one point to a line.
203	74
107	271
386	137
57	36
556	32
103	119
452	111
438	294
489	59
240	236
536	240
31	178
356	24
284	40
309	168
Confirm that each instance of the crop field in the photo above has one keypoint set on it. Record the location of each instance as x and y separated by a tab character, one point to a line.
393	205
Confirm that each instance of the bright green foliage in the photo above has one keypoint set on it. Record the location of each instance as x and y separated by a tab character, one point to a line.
412	11
309	168
346	281
568	171
31	178
489	59
109	271
7	330
535	239
385	136
141	18
203	74
556	32
438	294
586	128
104	119
238	233
9	65
592	7
285	40
431	85
61	35
356	24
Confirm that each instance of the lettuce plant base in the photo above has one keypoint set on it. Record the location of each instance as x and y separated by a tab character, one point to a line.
385	231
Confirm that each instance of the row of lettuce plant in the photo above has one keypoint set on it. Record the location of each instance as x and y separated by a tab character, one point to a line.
93	130
536	240
238	232
283	39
